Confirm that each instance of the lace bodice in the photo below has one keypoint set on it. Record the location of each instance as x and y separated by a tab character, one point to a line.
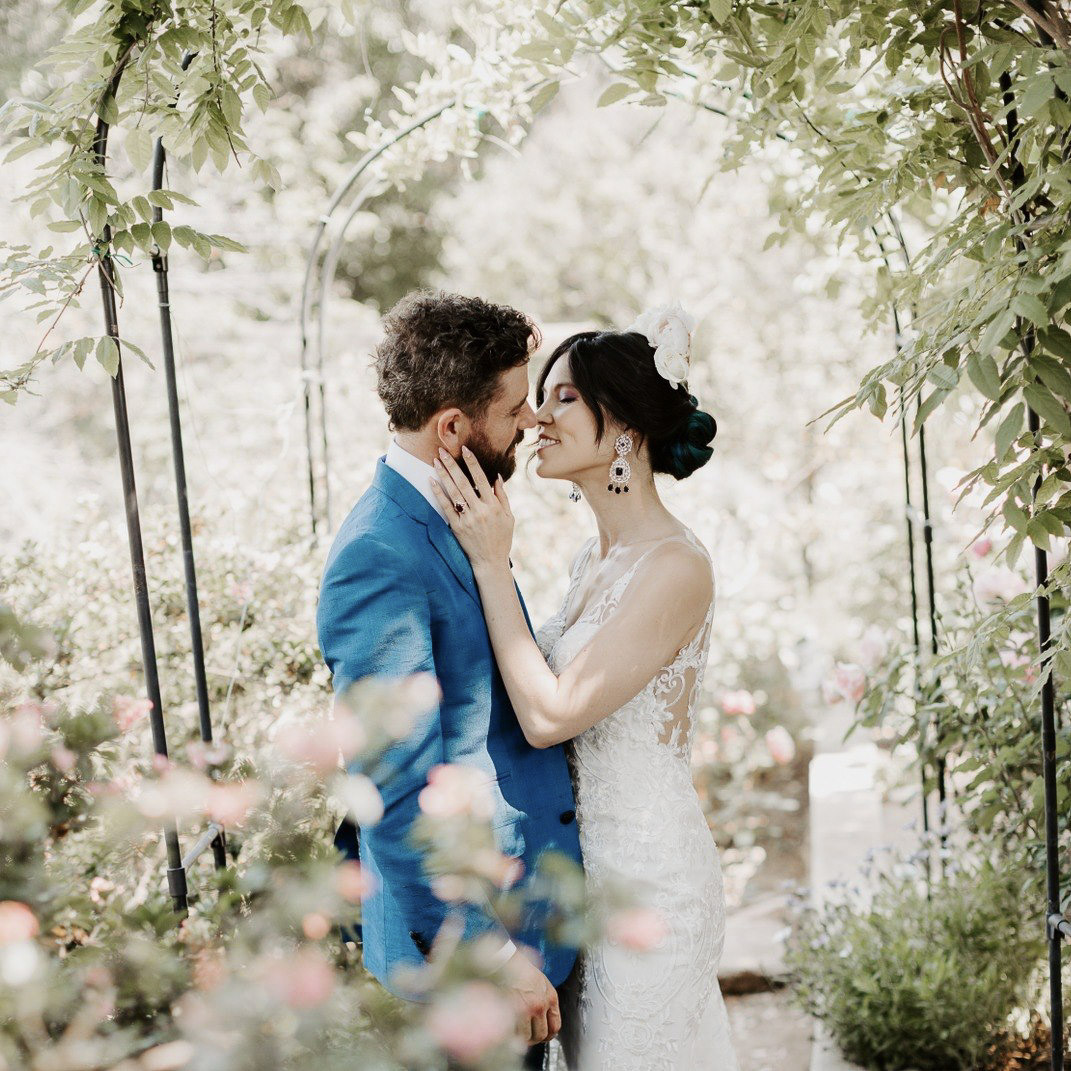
663	711
644	837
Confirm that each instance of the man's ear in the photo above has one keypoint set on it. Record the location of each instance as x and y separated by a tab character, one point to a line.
453	429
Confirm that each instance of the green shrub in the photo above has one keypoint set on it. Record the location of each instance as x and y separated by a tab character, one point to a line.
903	980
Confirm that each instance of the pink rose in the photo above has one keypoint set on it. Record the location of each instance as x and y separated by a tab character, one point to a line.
640	928
17	922
780	745
471	1021
738	702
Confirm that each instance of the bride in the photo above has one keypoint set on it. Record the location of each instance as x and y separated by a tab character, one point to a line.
617	672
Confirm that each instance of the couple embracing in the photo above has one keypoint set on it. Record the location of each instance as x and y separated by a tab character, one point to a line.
582	729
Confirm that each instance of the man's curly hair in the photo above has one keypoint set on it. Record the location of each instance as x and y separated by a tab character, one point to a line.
443	350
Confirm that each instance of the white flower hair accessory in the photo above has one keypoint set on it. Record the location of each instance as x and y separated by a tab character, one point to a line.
669	329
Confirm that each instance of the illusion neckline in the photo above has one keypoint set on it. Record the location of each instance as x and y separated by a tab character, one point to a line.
603	596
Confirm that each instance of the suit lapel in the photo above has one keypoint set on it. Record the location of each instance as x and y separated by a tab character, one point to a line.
400	491
445	542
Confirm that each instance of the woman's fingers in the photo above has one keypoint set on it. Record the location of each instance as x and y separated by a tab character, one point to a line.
477	474
464	488
448	503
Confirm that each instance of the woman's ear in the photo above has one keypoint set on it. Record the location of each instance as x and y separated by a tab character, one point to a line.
453	429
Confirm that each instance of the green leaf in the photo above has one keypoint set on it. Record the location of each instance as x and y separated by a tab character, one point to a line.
545	95
1029	307
1048	408
64	226
1057	341
720	10
1053	374
81	350
612	94
928	406
262	95
108	354
139	148
1016	517
161	235
943	376
984	374
1008	431
995	332
1036	94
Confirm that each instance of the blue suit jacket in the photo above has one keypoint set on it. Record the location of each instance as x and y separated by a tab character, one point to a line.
398	597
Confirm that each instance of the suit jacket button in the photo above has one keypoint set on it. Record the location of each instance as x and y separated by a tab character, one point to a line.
566	817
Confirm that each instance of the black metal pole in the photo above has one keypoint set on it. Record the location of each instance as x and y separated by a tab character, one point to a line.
159	263
931	591
176	874
1056	926
908	511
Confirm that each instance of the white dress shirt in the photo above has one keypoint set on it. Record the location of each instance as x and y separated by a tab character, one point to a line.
420	474
412	469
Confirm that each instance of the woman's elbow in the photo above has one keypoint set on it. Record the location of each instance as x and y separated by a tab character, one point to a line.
540	733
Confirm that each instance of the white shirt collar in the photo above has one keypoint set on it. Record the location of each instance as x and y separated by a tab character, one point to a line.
418	473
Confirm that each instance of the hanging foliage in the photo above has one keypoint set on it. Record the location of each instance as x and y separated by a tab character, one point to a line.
121	62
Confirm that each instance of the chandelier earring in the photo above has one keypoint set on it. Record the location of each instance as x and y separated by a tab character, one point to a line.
574	494
620	469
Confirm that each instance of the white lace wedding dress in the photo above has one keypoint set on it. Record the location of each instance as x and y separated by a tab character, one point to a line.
641	826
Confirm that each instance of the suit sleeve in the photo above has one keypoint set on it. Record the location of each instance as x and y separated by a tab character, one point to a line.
374	619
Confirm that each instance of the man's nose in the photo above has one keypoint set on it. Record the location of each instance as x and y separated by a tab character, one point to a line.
528	418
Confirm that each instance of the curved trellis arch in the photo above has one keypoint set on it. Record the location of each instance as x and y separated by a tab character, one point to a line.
1057	927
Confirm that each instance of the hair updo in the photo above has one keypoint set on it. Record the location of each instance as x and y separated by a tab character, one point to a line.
614	372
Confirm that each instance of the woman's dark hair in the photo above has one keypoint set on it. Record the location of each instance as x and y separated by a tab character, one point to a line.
614	372
441	350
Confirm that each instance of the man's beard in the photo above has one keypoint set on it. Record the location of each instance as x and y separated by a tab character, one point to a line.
494	462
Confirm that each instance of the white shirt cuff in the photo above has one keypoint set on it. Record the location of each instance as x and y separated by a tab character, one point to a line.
502	956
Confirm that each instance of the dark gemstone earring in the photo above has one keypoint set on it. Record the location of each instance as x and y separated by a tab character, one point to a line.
620	469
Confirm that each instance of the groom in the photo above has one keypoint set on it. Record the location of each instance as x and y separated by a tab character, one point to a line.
398	597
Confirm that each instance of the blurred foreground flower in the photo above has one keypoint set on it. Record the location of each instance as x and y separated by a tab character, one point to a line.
301	980
17	922
471	1021
454	789
640	928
